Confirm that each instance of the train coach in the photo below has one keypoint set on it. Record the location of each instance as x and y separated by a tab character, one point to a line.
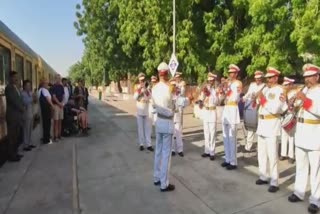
18	56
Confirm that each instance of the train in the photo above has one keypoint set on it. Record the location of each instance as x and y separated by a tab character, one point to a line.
16	55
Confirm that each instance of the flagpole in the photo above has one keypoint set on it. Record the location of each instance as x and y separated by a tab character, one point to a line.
174	27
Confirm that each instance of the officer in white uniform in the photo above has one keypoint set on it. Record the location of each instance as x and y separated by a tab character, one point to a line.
250	104
164	106
272	102
179	95
142	95
230	118
287	138
307	140
209	100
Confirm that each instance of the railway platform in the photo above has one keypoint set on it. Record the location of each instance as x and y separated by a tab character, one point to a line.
106	173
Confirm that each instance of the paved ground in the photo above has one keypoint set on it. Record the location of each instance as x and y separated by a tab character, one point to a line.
105	173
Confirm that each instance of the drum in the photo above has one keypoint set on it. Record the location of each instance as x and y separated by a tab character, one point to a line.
250	119
289	122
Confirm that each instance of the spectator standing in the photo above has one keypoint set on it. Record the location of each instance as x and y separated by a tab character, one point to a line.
28	115
79	92
46	107
14	116
57	98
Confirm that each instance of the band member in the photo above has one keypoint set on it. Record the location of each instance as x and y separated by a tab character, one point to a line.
272	102
288	137
164	106
179	95
230	118
307	140
250	104
142	95
209	101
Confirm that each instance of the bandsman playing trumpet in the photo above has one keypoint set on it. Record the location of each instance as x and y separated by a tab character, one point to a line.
179	98
272	102
230	118
250	104
307	140
287	137
209	101
142	95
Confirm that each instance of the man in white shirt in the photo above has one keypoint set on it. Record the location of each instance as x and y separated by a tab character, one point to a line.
307	140
272	102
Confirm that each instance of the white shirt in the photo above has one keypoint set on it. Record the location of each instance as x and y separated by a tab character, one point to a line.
307	135
45	92
272	106
142	96
162	99
209	116
66	95
230	113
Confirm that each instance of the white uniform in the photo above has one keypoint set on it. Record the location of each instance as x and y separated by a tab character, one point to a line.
269	127
177	144
250	104
162	97
142	96
230	119
287	139
209	120
308	146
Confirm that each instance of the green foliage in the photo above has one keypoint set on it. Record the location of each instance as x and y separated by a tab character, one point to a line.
129	36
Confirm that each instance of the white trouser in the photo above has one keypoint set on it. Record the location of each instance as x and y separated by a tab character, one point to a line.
268	151
177	144
285	138
304	159
249	141
230	143
162	158
144	130
209	130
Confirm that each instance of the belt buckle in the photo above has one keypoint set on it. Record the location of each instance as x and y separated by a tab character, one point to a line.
261	117
300	120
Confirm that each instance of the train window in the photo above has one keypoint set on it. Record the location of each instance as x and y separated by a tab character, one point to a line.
20	67
5	63
29	71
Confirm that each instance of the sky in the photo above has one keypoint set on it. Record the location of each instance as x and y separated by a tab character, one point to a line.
47	27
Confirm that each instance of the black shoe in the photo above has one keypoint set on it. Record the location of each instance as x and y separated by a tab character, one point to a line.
173	153
212	158
225	164
273	189
14	159
19	156
313	208
231	167
205	155
181	154
291	160
150	149
32	146
282	158
157	183
27	149
293	198
168	189
141	148
261	182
